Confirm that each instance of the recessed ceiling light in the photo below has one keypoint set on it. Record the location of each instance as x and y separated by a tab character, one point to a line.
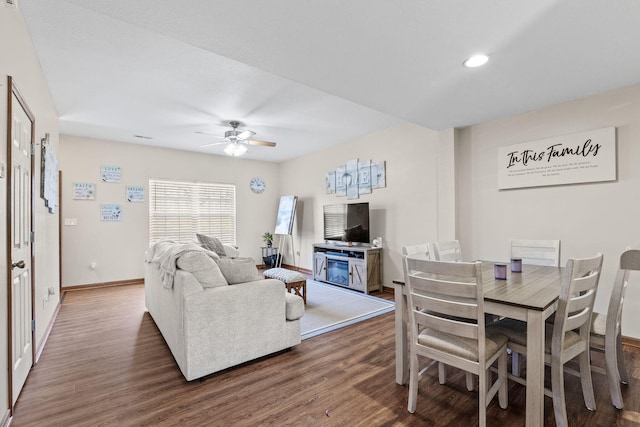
476	61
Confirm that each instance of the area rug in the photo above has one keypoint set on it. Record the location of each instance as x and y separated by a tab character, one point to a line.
331	307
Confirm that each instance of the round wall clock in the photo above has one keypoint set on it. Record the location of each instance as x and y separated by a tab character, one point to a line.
257	185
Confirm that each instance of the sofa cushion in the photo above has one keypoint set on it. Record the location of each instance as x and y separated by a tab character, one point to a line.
294	306
212	243
239	270
201	264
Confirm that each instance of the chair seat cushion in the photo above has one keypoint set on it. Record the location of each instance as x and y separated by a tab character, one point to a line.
460	346
516	331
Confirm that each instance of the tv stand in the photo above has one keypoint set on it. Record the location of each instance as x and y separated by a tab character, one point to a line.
354	267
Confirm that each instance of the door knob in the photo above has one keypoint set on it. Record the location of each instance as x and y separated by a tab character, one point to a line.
19	264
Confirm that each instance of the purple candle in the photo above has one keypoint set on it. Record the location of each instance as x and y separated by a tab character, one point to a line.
516	265
500	271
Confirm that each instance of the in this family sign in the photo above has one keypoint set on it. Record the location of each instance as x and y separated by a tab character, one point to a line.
576	158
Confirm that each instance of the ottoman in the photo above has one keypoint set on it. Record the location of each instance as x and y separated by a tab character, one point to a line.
296	282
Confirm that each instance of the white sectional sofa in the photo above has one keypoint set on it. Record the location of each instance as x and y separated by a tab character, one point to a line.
210	324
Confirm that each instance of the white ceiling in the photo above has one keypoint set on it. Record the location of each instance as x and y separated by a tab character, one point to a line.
310	74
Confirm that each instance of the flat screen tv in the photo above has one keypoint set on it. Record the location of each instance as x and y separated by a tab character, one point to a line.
346	222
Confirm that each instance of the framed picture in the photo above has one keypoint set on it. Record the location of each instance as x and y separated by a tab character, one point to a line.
110	173
135	193
364	177
110	212
378	175
330	182
286	213
84	191
341	188
350	179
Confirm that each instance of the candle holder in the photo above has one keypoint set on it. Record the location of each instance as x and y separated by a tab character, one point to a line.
500	271
516	265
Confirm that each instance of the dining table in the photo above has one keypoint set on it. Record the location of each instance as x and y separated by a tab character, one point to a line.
530	296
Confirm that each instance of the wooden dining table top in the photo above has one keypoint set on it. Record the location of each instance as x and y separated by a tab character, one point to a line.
536	287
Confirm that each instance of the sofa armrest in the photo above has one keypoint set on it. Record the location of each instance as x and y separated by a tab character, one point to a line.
294	306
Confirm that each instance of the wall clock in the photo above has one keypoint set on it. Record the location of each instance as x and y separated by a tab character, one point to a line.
257	185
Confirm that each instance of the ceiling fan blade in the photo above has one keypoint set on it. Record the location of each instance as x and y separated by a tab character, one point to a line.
209	134
262	143
214	143
245	134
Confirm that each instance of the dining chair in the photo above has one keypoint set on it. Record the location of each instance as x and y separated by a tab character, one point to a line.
421	249
606	330
446	325
533	252
568	336
447	251
536	252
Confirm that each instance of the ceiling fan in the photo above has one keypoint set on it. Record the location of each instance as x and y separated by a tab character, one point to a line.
238	140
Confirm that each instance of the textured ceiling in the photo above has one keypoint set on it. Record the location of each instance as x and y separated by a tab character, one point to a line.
310	74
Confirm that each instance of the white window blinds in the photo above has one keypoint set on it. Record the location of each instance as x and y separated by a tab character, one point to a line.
180	209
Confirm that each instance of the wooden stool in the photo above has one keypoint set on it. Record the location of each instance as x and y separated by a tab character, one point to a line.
293	280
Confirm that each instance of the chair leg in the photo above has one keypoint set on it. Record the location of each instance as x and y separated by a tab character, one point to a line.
515	363
613	357
442	373
622	368
470	384
482	392
586	381
557	389
414	368
503	397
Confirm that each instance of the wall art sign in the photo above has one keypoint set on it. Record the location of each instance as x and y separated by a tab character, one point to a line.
110	212
135	193
49	175
569	159
110	173
355	178
84	191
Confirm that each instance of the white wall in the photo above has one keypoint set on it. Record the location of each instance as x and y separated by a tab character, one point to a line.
403	213
118	247
588	218
18	59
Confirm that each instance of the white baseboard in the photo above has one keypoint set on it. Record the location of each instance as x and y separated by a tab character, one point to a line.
46	334
6	419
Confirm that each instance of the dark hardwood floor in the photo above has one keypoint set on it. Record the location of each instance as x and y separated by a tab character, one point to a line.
106	364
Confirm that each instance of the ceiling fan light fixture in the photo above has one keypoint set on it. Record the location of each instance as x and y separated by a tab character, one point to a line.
235	149
476	61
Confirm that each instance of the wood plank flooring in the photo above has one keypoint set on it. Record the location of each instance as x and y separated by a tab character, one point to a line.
106	364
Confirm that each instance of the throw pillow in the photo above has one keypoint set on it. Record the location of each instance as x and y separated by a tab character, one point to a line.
203	267
238	270
212	243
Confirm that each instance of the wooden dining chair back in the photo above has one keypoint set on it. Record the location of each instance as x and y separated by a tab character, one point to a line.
447	251
446	323
421	250
570	332
536	252
606	329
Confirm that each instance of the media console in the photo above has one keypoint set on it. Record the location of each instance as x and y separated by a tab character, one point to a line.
354	267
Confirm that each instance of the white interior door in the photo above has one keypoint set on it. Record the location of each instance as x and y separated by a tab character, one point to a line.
20	238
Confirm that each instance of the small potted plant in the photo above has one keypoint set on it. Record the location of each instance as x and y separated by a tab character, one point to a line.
268	239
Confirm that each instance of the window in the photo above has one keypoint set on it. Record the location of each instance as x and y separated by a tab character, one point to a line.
180	209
